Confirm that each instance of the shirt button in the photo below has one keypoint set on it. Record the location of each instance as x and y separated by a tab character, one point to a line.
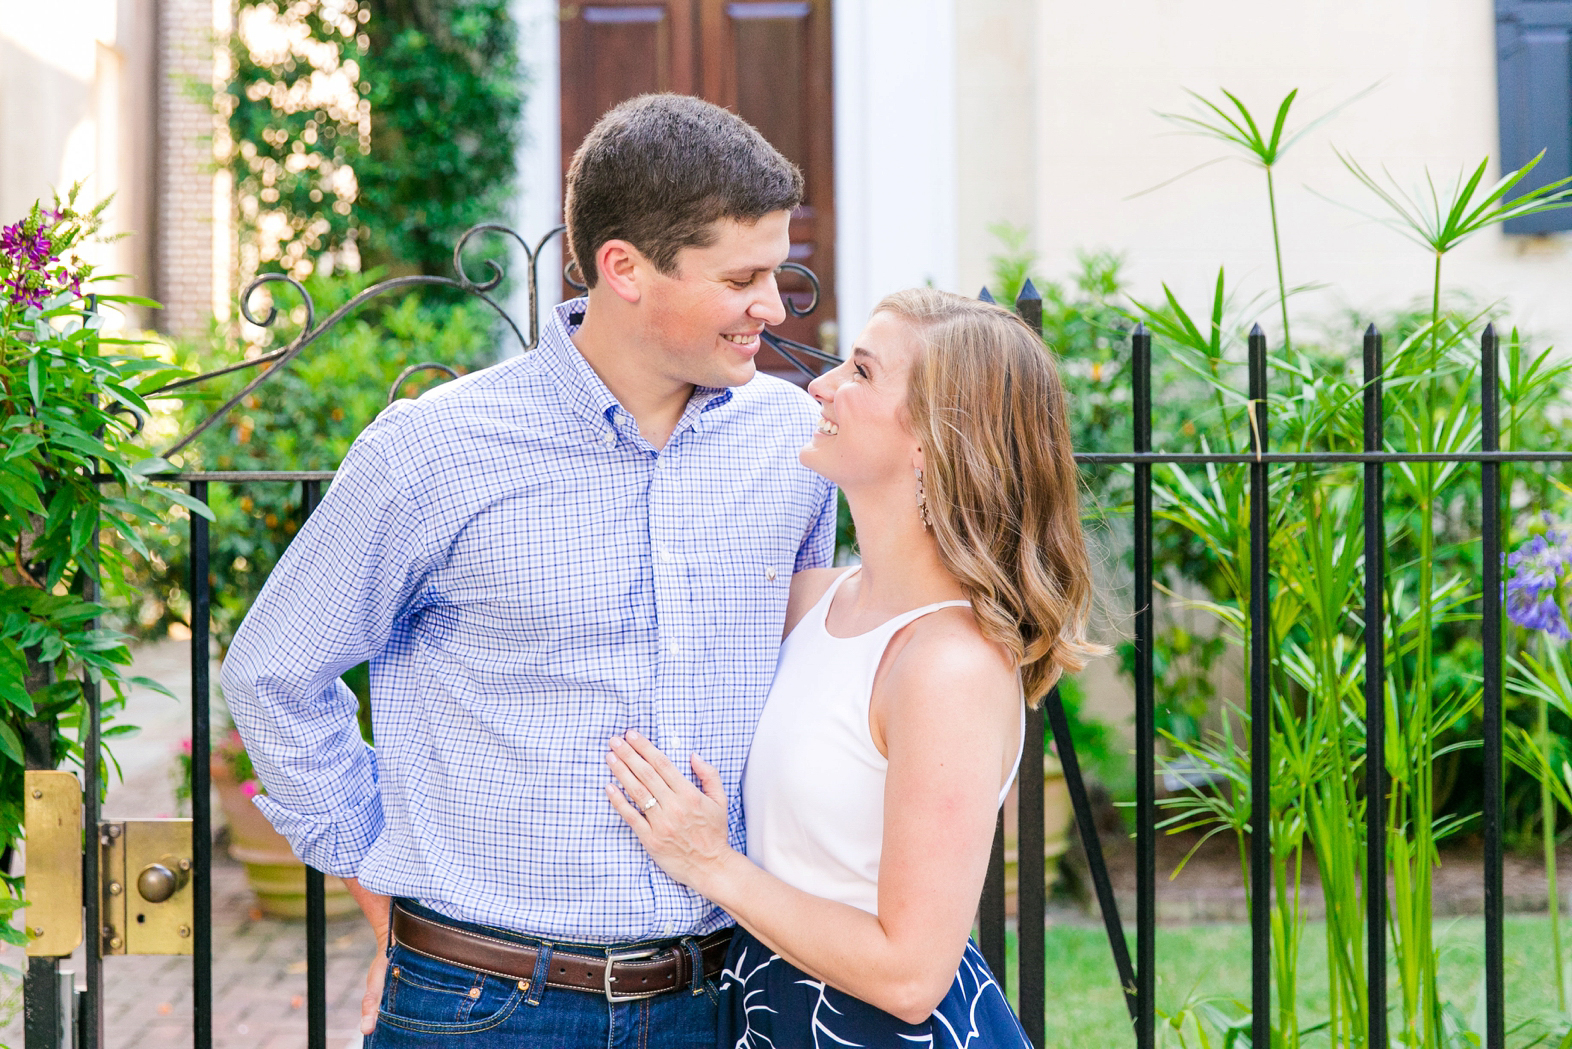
662	554
769	573
609	440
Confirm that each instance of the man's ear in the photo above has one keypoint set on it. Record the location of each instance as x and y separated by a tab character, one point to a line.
621	268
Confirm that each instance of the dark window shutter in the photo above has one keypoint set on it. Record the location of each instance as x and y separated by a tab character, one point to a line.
1534	72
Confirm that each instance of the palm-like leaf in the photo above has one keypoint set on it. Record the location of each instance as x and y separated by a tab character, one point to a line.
1441	221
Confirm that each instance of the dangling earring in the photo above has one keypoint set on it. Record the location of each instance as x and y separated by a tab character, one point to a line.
922	503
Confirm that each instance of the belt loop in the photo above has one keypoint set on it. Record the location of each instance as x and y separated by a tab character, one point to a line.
537	983
695	963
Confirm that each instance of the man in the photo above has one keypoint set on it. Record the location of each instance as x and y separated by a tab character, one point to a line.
597	536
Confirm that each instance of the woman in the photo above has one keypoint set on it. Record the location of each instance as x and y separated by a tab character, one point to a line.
894	725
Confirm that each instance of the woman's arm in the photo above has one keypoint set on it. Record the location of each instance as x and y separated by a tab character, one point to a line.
952	720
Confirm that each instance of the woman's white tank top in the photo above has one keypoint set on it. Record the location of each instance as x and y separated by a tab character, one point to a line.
813	789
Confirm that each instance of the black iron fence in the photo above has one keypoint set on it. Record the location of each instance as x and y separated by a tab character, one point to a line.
1139	980
1136	976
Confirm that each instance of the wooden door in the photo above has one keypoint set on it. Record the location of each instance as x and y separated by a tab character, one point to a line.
767	60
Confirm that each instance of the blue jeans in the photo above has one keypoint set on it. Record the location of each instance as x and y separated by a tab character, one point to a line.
428	1003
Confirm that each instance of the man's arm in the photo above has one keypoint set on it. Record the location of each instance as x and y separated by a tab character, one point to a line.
818	546
378	911
330	604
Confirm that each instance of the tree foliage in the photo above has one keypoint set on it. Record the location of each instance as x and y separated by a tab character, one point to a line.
378	127
443	81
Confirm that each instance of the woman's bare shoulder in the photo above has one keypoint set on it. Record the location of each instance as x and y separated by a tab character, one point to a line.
807	587
945	658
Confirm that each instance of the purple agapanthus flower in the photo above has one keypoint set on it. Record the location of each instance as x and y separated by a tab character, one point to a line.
1538	568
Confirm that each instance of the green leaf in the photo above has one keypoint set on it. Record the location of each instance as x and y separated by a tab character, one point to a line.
152	686
33	382
151	465
82	527
11	744
85	445
180	498
23	444
131	300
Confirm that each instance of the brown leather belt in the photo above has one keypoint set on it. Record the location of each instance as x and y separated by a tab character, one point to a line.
621	976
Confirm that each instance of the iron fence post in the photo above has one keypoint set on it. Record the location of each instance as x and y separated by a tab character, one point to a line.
1490	497
1375	696
316	897
1031	866
1260	709
201	783
91	1019
1145	704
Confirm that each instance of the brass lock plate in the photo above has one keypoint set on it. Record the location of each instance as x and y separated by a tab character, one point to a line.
145	885
52	816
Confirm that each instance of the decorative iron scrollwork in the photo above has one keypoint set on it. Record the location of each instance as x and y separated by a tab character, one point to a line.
274	361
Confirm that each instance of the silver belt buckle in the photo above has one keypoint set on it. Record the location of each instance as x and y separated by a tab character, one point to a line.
613	957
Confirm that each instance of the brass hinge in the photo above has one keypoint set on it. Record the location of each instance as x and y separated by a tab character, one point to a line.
52	821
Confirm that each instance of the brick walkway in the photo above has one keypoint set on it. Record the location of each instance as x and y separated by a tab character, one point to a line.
259	982
259	964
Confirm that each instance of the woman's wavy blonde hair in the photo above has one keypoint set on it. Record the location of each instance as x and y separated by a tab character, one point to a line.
985	402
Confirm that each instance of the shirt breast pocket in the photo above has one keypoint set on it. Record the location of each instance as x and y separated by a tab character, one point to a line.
746	589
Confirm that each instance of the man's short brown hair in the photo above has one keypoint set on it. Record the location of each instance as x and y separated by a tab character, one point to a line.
658	171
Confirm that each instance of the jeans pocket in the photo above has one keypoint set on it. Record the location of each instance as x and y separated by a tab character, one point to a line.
434	997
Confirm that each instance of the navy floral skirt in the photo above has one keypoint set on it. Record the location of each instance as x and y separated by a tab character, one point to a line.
767	1003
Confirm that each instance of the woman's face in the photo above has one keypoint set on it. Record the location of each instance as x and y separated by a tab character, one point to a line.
863	437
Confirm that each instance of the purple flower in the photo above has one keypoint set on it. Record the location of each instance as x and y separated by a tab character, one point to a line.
30	271
27	248
1533	591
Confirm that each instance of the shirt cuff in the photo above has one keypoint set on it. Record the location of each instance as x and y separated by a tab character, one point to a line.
333	844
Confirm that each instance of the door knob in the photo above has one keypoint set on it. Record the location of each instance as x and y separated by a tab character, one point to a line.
159	881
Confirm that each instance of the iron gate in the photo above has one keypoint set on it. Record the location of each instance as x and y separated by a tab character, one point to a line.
56	1017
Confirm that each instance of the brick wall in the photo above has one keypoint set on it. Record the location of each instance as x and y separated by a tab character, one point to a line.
184	263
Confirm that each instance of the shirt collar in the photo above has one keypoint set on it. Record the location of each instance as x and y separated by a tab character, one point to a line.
583	390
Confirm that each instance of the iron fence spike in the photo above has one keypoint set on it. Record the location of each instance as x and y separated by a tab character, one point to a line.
1256	332
1372	330
1028	291
986	295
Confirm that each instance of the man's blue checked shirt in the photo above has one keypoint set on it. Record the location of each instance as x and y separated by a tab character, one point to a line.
527	577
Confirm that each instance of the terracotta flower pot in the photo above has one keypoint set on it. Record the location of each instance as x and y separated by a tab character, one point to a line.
1056	825
276	875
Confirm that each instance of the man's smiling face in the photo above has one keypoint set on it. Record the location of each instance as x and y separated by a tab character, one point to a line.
704	319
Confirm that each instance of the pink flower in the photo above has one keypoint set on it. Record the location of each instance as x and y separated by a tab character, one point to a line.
185	746
250	788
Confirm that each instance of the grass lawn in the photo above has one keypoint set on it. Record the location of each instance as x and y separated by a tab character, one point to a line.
1085	1007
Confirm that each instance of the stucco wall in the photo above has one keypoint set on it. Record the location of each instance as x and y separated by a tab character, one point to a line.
895	141
89	91
1100	74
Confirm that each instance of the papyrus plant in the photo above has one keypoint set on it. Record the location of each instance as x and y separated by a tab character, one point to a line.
1317	600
